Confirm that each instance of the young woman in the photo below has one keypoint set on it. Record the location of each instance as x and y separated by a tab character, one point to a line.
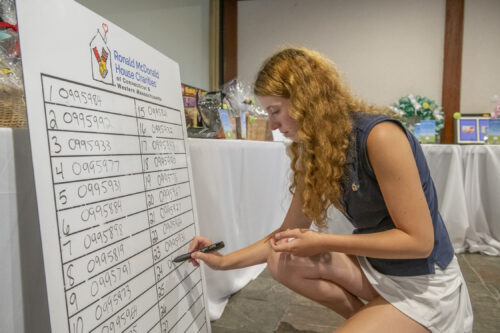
397	272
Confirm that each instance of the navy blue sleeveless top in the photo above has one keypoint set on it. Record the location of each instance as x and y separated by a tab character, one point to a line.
365	208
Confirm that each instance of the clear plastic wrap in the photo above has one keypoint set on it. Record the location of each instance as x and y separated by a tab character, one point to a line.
12	105
235	95
209	106
239	98
10	62
250	119
11	74
8	11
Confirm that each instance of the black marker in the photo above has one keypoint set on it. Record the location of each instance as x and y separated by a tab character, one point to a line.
210	248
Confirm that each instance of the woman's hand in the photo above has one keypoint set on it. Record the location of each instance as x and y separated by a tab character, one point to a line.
299	242
214	260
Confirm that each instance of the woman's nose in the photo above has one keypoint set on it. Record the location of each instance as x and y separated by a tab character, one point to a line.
274	125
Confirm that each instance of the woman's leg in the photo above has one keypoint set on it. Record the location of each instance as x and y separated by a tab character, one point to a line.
380	316
334	280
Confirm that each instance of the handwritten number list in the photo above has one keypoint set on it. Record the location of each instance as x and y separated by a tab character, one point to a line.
124	211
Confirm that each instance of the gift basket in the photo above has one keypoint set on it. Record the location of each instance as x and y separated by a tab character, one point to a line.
209	106
251	120
12	105
422	116
232	113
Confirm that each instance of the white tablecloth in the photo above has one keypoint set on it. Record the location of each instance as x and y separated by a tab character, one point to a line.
241	195
467	180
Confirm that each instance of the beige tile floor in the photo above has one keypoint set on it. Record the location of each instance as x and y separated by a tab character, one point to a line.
266	306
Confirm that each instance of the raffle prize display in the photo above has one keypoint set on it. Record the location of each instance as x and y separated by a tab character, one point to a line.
12	106
422	116
232	113
479	128
471	128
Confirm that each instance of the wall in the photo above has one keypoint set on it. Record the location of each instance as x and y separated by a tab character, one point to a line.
385	48
481	55
177	28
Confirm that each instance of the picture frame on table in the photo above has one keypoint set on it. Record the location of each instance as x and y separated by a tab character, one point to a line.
493	137
471	129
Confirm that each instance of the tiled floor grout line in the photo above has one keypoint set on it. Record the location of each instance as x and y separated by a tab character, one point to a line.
496	296
278	323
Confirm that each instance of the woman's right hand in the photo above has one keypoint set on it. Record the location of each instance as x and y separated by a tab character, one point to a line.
214	260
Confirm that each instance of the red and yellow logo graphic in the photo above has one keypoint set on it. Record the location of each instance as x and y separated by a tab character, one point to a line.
101	57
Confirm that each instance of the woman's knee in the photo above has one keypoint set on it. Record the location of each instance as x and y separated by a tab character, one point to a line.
273	263
293	272
285	267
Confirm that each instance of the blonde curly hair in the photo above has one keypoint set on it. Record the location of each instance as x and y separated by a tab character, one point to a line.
321	103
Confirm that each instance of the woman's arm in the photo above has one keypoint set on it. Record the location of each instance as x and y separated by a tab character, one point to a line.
256	253
396	171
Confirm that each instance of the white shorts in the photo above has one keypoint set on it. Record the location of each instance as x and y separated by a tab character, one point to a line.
440	302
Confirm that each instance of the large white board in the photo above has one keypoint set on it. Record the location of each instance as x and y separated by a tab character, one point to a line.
112	174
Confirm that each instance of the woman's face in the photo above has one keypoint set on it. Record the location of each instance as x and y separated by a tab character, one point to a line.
277	109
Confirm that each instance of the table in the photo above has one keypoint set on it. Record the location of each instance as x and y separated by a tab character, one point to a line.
467	180
241	195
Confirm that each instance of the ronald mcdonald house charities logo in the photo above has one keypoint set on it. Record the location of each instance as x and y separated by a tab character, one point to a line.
101	57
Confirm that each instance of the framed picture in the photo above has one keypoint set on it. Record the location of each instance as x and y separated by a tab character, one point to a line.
493	132
425	131
471	129
483	128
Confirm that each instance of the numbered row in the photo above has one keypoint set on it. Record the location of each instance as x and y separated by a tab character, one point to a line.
67	118
157	169
63	92
69	195
77	144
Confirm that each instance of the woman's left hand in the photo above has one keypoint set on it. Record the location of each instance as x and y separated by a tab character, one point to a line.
299	242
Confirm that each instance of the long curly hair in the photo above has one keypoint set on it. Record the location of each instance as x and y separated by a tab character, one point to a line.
321	103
